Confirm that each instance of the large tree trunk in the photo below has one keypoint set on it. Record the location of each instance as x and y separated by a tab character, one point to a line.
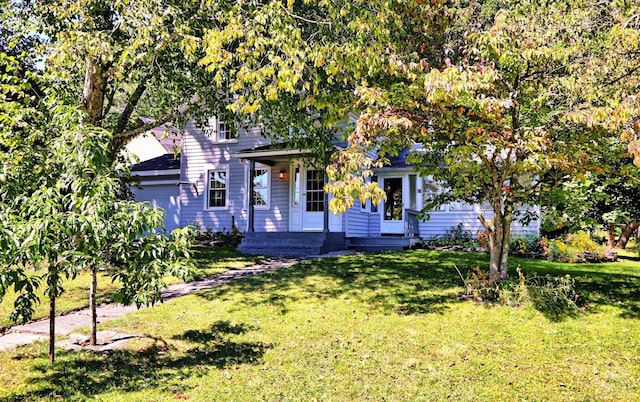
93	337
626	234
506	231
94	91
611	228
499	232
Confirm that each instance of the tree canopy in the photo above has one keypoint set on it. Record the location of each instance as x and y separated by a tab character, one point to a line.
64	205
507	99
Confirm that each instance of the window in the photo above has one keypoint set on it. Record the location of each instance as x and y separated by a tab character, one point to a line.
295	196
216	189
374	205
315	191
261	176
220	131
430	189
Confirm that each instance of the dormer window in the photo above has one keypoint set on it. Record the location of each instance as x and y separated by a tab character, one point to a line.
220	131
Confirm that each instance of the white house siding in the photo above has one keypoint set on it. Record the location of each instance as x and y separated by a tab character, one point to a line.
374	224
201	153
356	221
441	222
165	196
276	218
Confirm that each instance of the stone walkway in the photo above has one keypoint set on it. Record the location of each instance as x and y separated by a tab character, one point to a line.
68	323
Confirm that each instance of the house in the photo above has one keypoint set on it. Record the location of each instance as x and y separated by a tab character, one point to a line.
211	183
156	154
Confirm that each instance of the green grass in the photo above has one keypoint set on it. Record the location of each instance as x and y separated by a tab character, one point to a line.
374	327
208	261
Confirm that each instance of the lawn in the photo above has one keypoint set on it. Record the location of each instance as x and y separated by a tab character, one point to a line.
365	327
207	261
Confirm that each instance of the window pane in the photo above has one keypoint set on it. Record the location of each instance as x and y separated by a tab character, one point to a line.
374	207
430	189
260	197
217	189
393	207
260	178
296	188
224	131
412	192
261	187
315	191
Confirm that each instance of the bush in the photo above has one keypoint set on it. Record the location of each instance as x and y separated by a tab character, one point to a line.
222	238
582	241
524	245
455	236
577	247
553	295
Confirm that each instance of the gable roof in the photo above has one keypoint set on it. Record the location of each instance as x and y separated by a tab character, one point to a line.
163	162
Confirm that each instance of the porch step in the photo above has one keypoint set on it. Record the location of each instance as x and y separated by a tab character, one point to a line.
382	243
292	244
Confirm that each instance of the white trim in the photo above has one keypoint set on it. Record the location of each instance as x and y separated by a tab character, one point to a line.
159	182
269	172
146	173
222	168
212	130
270	153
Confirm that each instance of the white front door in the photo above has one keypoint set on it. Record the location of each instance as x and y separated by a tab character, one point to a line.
313	200
306	211
392	217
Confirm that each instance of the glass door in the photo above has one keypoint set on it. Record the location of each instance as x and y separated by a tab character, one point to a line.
392	219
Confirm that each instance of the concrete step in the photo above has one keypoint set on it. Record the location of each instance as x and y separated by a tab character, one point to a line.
292	243
300	251
375	249
382	243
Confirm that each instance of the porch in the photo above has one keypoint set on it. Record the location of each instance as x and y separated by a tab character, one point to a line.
303	244
292	244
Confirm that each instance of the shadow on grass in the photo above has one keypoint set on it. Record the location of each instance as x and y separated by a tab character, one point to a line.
597	285
416	282
424	281
82	375
211	260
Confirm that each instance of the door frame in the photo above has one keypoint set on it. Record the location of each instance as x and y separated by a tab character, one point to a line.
393	226
298	216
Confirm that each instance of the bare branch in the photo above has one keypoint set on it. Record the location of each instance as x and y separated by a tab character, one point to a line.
292	15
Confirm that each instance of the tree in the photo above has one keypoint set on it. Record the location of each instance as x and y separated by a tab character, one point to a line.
75	220
506	98
61	190
605	198
122	61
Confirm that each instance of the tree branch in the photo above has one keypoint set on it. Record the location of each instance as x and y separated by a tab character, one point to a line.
623	76
292	15
124	117
145	127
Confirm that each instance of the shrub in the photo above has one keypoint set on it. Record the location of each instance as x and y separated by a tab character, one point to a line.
582	241
577	247
553	295
455	236
523	245
559	251
223	238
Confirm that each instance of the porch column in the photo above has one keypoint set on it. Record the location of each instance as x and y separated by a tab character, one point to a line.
325	220
250	209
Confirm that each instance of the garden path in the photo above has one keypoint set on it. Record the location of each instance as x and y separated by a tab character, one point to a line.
68	323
